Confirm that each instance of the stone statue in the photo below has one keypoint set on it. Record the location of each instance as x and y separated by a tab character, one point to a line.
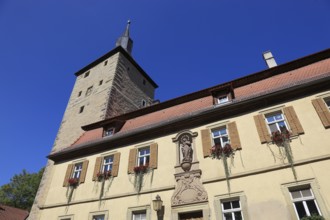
187	151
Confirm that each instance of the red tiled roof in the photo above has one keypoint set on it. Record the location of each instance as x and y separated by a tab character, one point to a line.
89	136
11	213
247	91
281	80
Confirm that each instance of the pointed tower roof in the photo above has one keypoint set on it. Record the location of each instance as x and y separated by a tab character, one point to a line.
124	40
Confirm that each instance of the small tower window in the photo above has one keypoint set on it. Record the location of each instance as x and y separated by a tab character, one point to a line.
105	63
89	91
101	82
86	74
79	94
144	103
144	81
81	109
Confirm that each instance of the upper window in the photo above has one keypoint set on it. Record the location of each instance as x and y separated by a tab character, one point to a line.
107	163
220	136
276	122
109	132
304	202
143	156
89	91
223	99
231	210
141	215
77	170
86	74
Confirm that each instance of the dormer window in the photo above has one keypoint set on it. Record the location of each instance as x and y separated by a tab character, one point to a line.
223	99
223	95
109	132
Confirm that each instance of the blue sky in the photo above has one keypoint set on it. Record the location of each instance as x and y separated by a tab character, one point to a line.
184	46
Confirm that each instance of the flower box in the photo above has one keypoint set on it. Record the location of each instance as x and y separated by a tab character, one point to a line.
103	175
141	169
280	137
217	151
73	181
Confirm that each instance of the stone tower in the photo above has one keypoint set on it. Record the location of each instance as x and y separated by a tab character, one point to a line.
113	84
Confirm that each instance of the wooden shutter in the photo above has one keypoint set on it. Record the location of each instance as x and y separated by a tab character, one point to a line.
293	120
83	172
322	111
262	128
68	175
115	165
132	160
153	155
234	137
206	142
97	167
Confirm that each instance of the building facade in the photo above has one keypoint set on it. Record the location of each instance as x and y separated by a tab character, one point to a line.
253	148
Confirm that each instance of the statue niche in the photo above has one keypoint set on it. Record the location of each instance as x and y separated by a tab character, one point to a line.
185	143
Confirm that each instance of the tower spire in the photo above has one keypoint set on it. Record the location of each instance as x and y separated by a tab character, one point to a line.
124	40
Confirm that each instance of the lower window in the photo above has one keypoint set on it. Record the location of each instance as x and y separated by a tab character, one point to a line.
98	217
231	210
141	215
304	202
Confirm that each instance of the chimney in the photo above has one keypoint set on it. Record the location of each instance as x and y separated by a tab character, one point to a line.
270	61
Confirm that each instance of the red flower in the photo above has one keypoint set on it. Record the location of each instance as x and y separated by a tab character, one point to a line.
279	137
217	151
73	181
141	168
106	175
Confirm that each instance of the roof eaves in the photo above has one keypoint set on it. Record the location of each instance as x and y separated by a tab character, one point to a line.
111	53
153	127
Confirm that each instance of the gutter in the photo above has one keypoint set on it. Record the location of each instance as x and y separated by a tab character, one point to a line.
195	119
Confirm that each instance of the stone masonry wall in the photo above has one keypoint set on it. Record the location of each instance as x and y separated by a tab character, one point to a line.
129	89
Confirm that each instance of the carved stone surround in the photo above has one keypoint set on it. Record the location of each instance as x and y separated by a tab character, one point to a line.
189	189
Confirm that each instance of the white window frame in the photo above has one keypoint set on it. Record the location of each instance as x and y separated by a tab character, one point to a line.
304	199
96	217
221	136
146	156
222	100
141	212
107	165
109	132
77	170
232	210
137	209
219	199
275	121
65	217
92	215
303	184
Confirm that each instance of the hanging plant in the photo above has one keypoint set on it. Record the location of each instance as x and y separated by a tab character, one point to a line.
73	183
139	172
102	177
218	152
282	139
